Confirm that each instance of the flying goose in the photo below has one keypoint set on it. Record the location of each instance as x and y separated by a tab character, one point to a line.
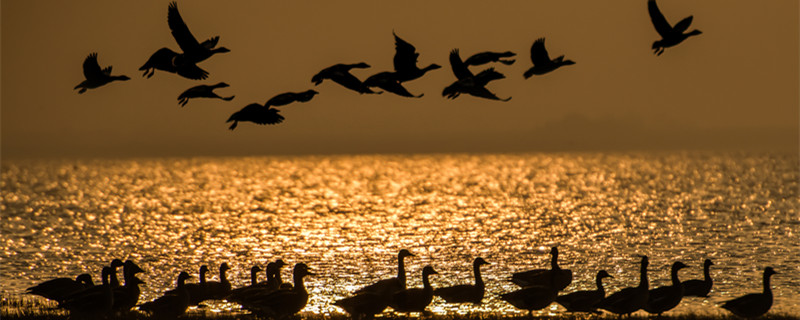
340	73
170	305
289	97
96	77
202	91
415	299
469	83
670	35
466	292
164	59
193	51
754	304
391	285
631	299
59	289
91	303
699	288
585	301
389	81
541	60
405	61
488	56
257	114
282	303
662	299
541	277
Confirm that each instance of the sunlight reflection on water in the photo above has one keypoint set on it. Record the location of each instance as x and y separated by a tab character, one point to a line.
348	216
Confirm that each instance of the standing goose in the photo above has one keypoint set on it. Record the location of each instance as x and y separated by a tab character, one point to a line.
466	292
699	288
364	305
164	60
282	303
126	296
469	83
216	290
340	73
257	114
59	289
754	304
585	301
488	56
665	298
238	294
535	297
391	285
405	61
389	81
289	97
541	277
202	91
193	51
96	77
631	299
670	35
196	291
170	305
113	280
416	299
91	303
541	60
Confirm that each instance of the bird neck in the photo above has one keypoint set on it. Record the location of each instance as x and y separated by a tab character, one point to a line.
674	276
554	262
401	270
202	277
767	289
643	277
253	277
428	68
298	282
476	269
707	273
599	282
222	276
426	284
113	278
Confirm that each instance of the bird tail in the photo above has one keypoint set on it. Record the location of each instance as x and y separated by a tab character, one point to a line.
233	126
228	98
507	62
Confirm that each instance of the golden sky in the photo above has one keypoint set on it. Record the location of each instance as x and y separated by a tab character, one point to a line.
736	86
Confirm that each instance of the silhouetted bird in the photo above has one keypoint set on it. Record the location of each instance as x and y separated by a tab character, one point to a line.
91	303
541	277
193	51
170	305
257	114
364	305
96	77
391	285
127	296
585	301
665	298
164	60
112	278
282	303
202	91
405	61
541	60
488	56
699	288
468	83
388	81
631	299
416	299
754	304
535	297
670	35
466	292
217	290
196	291
289	97
59	288
340	73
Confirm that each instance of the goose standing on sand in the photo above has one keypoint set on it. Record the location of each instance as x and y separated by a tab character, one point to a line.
340	73
585	301
541	277
415	299
405	61
282	303
534	297
96	77
127	296
464	293
541	60
257	114
488	56
59	289
754	304
217	290
665	298
699	288
631	299
170	305
670	35
193	51
91	303
469	83
164	59
289	97
389	81
391	285
202	91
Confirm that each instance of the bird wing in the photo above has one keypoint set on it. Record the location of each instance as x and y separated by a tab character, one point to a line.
405	57
659	22
482	92
180	31
539	53
193	72
682	25
210	43
91	69
459	68
269	116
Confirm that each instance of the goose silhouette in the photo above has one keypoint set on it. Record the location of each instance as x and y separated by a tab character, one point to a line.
415	299
662	299
670	36
699	288
469	83
631	299
282	303
541	277
755	304
91	303
127	296
257	114
389	81
541	60
170	305
96	77
405	61
289	97
202	91
464	293
60	288
164	59
585	301
193	51
391	285
340	73
489	56
534	297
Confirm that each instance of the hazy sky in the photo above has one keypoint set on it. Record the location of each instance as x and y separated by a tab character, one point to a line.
736	86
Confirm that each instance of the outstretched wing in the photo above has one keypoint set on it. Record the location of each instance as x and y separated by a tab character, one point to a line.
682	25
405	57
192	71
210	43
91	69
459	68
539	53
659	22
180	31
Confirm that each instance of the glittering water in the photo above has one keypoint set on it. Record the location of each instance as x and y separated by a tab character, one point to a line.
347	216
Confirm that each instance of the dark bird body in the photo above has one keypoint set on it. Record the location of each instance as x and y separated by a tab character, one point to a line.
699	288
364	305
193	51
466	293
340	73
405	61
535	297
217	290
390	286
416	299
662	299
257	114
755	304
389	81
164	60
60	288
127	296
202	91
541	60
488	56
631	299
469	83
670	36
289	97
170	305
92	303
96	77
541	277
282	303
585	301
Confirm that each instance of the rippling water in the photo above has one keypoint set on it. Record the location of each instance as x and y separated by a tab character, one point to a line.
347	216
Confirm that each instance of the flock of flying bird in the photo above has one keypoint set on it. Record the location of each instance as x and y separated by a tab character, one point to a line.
275	299
405	68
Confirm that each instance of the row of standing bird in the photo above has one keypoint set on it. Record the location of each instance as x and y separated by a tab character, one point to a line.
405	68
275	299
